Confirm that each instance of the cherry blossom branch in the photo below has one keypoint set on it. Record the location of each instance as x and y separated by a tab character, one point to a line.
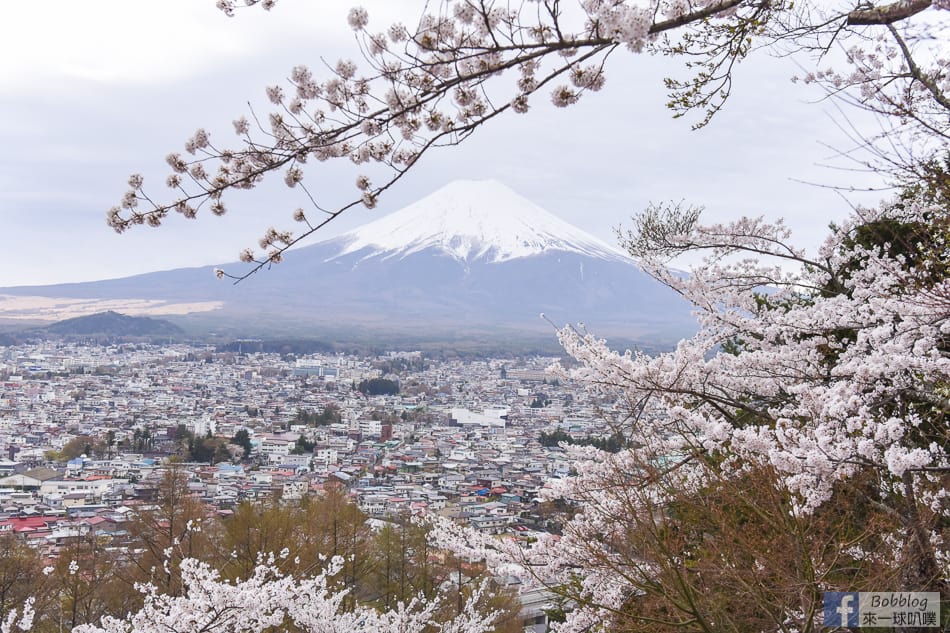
432	92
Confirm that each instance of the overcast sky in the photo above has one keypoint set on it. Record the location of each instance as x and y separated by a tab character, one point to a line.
93	91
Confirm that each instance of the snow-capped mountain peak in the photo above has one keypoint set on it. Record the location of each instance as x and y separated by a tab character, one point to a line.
474	220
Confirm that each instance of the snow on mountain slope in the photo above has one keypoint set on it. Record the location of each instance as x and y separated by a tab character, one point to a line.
474	220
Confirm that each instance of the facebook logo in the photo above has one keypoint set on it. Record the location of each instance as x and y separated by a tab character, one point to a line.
841	608
852	609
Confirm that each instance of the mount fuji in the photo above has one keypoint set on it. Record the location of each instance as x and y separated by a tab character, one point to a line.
474	221
470	259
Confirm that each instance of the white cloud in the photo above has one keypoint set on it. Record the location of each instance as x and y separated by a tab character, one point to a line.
133	42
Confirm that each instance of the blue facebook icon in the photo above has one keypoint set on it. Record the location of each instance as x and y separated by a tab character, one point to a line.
841	608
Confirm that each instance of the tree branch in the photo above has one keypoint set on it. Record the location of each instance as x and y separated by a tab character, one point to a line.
888	14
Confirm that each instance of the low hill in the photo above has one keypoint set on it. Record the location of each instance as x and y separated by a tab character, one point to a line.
114	324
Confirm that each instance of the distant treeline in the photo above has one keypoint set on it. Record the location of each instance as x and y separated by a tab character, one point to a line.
612	443
378	387
434	350
297	347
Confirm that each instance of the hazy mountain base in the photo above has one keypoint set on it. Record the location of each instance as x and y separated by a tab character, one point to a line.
422	298
370	338
301	339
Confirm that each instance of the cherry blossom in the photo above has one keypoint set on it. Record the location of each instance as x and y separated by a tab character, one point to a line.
467	62
822	373
820	369
268	599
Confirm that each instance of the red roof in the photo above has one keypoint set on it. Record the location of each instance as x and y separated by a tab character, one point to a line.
27	524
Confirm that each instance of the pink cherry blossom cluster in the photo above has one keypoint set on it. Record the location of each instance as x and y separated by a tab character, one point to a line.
268	600
829	375
228	7
899	71
21	619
